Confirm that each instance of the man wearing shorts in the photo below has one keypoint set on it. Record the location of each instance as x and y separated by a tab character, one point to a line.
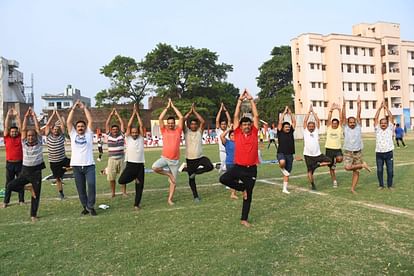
116	143
222	126
333	142
100	147
272	136
286	149
311	150
353	144
170	157
55	138
242	177
134	157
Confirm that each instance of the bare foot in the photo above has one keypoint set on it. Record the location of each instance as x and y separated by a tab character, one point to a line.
245	195
365	166
234	196
353	191
245	223
137	208
113	195
4	205
29	187
170	202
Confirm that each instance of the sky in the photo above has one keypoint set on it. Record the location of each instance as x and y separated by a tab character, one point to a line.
67	41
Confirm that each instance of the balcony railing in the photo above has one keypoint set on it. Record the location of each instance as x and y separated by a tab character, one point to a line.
393	52
394	70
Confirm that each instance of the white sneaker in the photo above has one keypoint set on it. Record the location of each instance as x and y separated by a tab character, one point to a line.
99	159
285	172
181	168
285	191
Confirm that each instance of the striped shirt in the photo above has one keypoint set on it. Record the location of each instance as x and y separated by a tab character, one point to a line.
56	147
116	146
32	155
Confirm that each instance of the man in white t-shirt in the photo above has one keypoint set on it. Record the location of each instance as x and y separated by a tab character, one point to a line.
384	146
222	126
134	157
81	141
311	150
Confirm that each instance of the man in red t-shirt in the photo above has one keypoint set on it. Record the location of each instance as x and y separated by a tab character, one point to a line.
14	151
242	177
170	157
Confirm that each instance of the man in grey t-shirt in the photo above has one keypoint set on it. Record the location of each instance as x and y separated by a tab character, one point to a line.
353	144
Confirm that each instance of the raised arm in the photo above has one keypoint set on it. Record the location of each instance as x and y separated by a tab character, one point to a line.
108	120
390	116
200	118
236	116
6	123
219	115
306	119
141	125
130	122
358	116
121	122
24	125
49	123
62	123
88	116
179	115
318	122
69	120
163	113
254	110
281	117
223	136
343	112
377	114
187	115
36	123
328	122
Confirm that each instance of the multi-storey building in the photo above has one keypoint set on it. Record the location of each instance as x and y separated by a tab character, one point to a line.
64	100
373	63
12	90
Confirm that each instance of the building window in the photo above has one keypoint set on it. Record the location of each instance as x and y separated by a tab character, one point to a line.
325	104
366	104
343	86
319	85
412	71
66	104
356	68
324	86
312	66
412	55
316	48
371	52
318	66
372	86
322	49
324	68
365	86
348	50
372	67
364	69
367	122
314	103
320	103
349	86
374	105
297	51
357	86
51	104
310	47
313	84
356	51
351	105
363	51
348	68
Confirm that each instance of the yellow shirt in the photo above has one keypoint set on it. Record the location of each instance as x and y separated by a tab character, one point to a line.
333	138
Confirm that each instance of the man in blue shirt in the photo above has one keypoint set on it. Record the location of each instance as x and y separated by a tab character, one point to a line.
399	135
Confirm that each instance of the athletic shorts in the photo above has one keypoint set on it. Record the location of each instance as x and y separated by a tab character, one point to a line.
288	159
172	165
333	153
59	168
352	158
115	167
313	162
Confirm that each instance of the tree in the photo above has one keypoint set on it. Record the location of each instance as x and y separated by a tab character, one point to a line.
127	82
275	83
180	72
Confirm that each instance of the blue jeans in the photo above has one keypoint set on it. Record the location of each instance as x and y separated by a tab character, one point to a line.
388	159
83	175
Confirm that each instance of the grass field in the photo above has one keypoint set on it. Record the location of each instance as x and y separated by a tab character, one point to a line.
328	233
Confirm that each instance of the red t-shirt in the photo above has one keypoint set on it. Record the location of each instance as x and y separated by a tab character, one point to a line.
246	152
14	149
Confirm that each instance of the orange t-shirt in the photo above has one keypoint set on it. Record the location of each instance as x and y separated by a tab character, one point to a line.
171	143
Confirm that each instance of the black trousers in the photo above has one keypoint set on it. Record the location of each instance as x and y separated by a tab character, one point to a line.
134	171
27	176
197	166
241	178
13	170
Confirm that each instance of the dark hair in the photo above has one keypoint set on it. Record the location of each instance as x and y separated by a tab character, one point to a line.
352	117
171	118
115	126
245	120
14	127
194	120
311	122
386	120
397	125
230	132
335	120
80	121
285	123
223	121
35	132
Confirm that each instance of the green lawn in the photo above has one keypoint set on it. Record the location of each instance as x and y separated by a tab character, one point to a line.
301	233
